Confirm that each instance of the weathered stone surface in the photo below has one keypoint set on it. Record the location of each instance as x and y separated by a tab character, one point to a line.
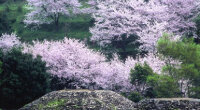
169	104
81	100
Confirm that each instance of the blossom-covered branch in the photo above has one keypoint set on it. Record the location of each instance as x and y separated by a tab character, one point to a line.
48	11
73	60
146	19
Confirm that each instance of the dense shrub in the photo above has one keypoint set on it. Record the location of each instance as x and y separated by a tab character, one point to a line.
133	96
187	73
2	1
19	9
5	24
197	22
139	75
64	83
22	80
151	85
128	45
162	86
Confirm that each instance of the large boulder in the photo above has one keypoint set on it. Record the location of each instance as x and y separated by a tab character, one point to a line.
81	100
169	104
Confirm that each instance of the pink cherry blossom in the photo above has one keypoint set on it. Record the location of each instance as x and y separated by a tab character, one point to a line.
48	11
8	41
70	58
147	19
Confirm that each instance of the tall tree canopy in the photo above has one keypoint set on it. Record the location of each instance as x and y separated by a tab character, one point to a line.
146	19
71	59
48	11
187	72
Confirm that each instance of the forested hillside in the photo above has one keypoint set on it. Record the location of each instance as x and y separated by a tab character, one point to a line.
138	48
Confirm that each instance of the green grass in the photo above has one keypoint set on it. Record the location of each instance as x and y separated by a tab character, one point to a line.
72	27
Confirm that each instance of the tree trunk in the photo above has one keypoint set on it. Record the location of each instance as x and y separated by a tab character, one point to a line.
56	21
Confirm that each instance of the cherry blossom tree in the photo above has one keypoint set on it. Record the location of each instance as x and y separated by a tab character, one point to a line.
71	59
8	41
92	2
116	17
91	7
180	15
146	19
48	11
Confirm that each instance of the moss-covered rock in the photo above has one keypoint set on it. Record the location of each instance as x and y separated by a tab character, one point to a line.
81	100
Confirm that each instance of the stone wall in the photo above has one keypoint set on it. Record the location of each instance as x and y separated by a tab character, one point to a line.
106	100
81	100
169	104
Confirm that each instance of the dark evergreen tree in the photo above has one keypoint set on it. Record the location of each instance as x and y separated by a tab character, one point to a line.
22	80
125	45
5	23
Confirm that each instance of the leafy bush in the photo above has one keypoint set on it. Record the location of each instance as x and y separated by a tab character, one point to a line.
135	96
8	41
22	80
197	22
124	46
195	91
139	75
7	9
19	9
63	83
162	86
2	1
4	23
187	73
151	85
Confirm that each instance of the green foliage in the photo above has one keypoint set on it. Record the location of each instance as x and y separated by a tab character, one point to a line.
197	21
139	75
125	46
5	26
58	83
163	86
186	50
188	53
22	80
19	9
1	68
2	1
7	9
135	96
11	1
151	85
72	27
194	92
